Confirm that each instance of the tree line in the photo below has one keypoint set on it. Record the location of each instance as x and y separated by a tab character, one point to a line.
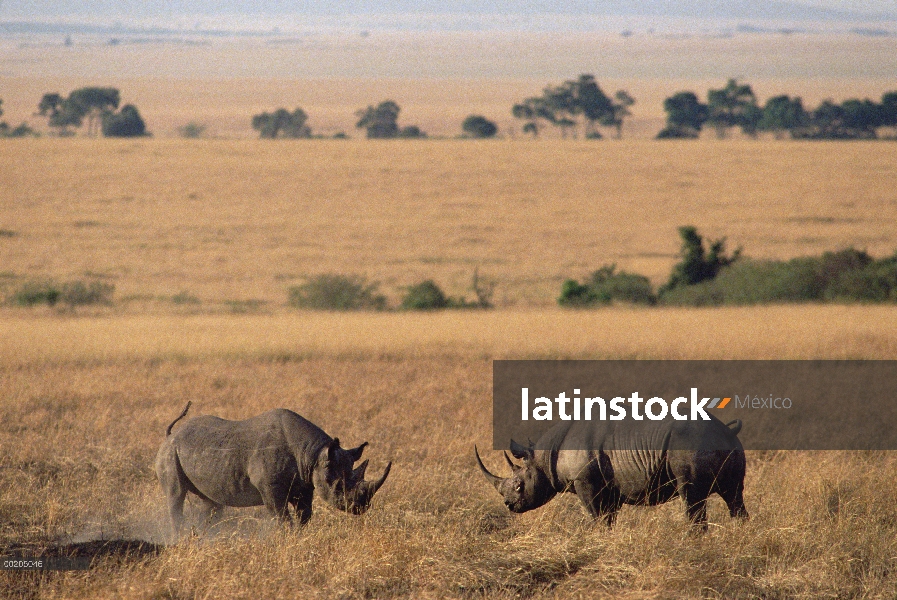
735	105
576	107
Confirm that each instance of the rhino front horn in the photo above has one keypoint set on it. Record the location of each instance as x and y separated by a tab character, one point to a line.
376	485
493	479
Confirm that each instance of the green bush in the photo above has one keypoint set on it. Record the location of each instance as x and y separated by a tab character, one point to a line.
606	285
336	292
846	276
72	293
425	295
36	292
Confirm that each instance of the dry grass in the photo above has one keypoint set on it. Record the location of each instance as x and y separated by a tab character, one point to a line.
231	222
80	429
85	396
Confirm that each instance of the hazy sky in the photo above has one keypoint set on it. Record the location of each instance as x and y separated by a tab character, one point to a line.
22	8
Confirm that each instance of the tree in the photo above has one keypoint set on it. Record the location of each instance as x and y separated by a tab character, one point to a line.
6	131
619	111
593	103
862	117
411	132
733	106
685	116
94	103
781	114
282	123
478	126
889	109
125	123
533	111
560	106
381	122
697	263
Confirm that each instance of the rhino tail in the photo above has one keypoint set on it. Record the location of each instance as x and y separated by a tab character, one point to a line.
735	425
181	416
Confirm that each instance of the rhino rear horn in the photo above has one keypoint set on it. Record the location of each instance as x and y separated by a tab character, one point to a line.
358	474
520	452
356	452
495	480
509	461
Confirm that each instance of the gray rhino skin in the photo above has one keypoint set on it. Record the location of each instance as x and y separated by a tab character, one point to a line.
274	459
629	462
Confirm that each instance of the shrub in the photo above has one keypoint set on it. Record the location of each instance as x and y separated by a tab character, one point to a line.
478	126
336	292
848	275
36	292
72	293
192	130
428	296
76	293
605	286
425	295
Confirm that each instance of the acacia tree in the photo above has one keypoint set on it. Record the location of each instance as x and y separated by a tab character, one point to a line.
282	123
381	122
734	105
92	103
782	114
593	103
533	111
685	116
619	111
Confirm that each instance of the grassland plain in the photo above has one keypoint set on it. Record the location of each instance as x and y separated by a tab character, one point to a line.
236	223
85	395
84	403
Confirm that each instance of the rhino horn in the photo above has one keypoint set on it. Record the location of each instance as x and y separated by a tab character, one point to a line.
522	452
493	479
375	485
356	452
508	460
358	474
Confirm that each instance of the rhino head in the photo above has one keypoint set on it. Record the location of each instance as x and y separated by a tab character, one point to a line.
340	483
528	487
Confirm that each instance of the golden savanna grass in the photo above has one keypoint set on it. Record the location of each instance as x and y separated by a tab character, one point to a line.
85	403
85	395
241	221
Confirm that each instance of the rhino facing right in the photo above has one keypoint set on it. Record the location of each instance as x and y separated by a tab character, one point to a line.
274	459
609	464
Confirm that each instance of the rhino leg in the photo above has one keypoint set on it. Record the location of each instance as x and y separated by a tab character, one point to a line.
695	497
211	510
302	504
734	497
174	484
599	500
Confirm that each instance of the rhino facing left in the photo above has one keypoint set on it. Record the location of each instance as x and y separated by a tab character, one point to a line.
275	459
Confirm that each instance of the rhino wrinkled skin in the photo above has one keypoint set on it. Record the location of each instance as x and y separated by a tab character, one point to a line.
274	459
609	464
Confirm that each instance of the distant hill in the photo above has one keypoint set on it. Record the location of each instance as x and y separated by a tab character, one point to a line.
721	9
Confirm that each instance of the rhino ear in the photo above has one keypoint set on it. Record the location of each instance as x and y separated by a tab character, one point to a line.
355	453
522	452
332	447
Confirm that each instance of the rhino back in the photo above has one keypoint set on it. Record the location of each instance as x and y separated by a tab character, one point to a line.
641	458
226	460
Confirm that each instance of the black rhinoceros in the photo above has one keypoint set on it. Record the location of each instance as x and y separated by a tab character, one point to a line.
273	459
609	464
